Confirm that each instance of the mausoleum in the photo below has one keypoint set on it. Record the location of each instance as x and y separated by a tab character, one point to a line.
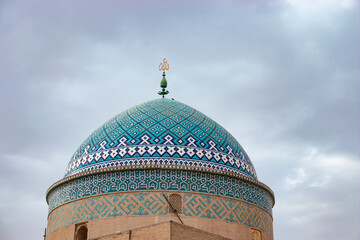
160	170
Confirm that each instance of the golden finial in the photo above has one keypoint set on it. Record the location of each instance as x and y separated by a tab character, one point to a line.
164	65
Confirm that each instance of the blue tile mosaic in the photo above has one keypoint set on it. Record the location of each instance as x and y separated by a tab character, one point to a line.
163	180
165	131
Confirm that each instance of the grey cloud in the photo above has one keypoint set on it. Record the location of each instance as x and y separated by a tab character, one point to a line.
281	84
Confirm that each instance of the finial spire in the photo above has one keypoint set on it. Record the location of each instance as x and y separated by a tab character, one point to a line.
163	84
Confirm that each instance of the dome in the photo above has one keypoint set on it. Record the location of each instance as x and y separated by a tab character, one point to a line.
161	133
156	163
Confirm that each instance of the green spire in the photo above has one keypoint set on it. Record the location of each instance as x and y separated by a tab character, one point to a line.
163	84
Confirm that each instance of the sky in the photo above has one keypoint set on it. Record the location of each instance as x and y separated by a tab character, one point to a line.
281	75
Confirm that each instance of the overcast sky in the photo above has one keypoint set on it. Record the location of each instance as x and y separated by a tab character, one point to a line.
281	76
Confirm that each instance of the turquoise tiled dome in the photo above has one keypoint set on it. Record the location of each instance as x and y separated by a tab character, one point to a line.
162	133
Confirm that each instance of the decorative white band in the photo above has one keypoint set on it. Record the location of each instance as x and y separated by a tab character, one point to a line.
161	154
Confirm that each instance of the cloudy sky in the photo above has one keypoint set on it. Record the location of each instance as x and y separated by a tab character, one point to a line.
281	75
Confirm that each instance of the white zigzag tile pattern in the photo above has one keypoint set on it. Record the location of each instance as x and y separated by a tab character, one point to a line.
169	155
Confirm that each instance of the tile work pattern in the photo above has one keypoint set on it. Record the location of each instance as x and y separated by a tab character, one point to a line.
227	209
163	131
153	203
128	204
160	179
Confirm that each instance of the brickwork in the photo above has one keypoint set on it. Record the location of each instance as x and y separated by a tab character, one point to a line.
107	226
65	233
180	232
155	232
153	203
164	231
122	236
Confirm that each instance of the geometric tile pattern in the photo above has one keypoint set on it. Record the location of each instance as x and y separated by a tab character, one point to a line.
160	179
227	209
161	130
107	206
153	203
